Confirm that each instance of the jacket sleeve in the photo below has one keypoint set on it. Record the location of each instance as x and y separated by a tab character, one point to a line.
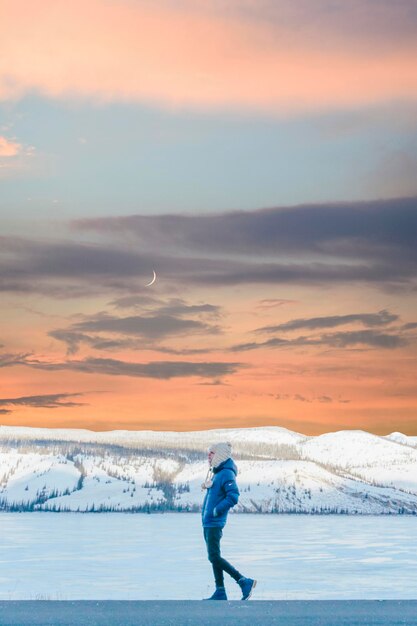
231	497
203	508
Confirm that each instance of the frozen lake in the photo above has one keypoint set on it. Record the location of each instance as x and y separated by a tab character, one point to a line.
68	556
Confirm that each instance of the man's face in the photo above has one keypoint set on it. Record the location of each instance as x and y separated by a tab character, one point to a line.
210	456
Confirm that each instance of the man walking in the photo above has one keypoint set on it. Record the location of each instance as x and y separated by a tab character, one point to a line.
222	493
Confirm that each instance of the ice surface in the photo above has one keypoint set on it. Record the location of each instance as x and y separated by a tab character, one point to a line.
162	556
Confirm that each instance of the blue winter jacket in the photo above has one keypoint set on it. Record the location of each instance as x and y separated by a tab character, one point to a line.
221	496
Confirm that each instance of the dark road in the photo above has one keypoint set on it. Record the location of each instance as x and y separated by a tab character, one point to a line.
192	613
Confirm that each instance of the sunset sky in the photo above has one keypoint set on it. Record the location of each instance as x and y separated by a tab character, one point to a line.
260	156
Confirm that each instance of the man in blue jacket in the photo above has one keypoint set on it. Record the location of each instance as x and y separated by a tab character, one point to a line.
222	493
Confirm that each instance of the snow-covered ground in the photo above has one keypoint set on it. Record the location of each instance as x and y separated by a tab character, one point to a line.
279	470
162	556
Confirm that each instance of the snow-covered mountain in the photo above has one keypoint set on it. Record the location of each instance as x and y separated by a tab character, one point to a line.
279	470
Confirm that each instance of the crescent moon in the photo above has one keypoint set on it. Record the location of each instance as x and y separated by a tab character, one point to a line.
152	281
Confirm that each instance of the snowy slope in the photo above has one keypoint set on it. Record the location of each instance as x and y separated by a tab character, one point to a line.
356	448
279	471
273	435
404	439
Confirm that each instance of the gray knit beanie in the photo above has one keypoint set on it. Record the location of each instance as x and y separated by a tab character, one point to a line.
222	452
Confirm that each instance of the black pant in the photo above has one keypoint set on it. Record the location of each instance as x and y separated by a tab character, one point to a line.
212	537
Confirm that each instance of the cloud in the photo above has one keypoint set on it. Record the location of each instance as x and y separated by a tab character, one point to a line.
341	230
9	148
15	158
384	275
179	307
160	370
185	351
381	318
278	59
147	329
276	342
70	269
298	397
344	23
135	301
27	258
73	341
152	327
369	338
174	307
394	174
410	326
301	398
214	383
163	319
48	401
325	399
272	303
9	360
361	242
364	337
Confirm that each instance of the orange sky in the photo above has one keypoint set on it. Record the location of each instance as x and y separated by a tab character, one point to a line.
142	136
191	57
310	389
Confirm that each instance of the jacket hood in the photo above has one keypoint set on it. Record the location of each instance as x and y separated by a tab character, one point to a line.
227	464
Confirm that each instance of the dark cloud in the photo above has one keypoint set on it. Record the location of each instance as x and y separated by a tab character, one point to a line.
48	401
339	229
162	370
8	360
310	274
135	301
74	339
174	307
179	308
214	383
63	269
276	342
345	22
298	397
379	24
365	337
325	399
272	303
162	319
23	259
318	243
152	327
5	411
381	318
69	259
369	338
71	269
139	331
362	242
410	326
184	351
63	290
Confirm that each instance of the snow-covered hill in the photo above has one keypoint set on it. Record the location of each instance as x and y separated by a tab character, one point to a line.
279	470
